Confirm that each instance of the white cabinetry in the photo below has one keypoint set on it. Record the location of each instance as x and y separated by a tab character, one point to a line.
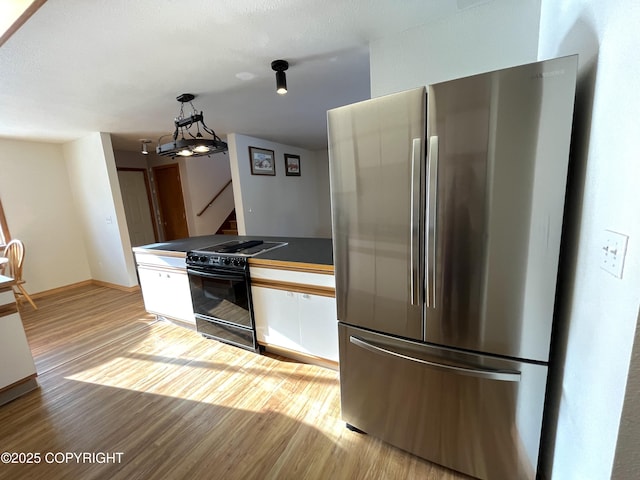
17	369
165	286
296	311
319	325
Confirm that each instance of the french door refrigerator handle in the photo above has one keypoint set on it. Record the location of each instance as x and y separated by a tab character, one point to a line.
487	374
431	223
414	259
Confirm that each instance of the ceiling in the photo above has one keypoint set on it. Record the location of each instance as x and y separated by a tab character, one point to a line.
117	66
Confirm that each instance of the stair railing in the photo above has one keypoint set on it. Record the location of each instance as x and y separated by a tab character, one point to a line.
214	198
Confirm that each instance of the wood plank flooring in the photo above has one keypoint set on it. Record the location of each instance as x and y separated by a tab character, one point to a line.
171	405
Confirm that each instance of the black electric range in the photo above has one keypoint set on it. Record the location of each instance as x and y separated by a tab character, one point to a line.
221	290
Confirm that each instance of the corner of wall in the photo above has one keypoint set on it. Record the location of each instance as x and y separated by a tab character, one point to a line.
236	177
91	166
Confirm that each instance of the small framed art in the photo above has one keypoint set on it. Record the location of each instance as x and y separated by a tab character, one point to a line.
262	161
292	165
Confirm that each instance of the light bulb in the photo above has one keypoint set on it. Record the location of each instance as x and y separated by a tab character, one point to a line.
281	83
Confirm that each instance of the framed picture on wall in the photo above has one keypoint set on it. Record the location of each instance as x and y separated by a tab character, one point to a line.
292	165
262	161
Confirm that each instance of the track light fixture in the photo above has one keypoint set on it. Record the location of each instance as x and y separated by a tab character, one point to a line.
190	143
279	66
144	142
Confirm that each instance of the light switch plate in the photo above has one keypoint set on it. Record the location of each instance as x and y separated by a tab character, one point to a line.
614	248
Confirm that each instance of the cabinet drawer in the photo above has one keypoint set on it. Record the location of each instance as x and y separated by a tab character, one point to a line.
238	336
449	407
160	261
290	276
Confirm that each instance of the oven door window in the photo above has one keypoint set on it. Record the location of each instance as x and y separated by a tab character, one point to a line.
221	295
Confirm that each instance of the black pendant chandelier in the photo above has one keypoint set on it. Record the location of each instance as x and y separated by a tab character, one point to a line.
188	138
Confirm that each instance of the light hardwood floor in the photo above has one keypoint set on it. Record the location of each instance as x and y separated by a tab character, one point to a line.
174	405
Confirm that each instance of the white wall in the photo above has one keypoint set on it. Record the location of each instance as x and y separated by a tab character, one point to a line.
125	159
94	185
627	461
36	195
202	178
321	159
280	205
600	311
494	35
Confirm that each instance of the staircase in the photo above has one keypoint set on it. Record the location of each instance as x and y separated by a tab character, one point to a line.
229	226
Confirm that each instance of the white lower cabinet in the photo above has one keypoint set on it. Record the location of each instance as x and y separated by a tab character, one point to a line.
165	290
17	368
319	325
276	317
15	355
297	321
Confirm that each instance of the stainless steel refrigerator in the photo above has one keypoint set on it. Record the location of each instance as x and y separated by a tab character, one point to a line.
447	208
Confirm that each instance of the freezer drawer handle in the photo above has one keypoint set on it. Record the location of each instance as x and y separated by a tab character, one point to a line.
501	375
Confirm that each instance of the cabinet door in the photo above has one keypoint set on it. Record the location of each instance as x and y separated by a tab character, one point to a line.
296	321
179	305
16	362
276	317
318	325
166	292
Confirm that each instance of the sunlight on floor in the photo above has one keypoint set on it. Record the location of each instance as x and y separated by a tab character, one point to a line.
224	376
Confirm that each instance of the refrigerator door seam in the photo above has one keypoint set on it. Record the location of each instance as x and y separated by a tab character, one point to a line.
488	374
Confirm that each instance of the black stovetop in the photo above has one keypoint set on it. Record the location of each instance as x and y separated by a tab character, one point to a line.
245	248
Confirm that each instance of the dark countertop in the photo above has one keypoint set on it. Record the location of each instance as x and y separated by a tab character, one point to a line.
317	251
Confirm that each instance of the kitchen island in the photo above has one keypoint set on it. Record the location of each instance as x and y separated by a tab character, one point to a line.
292	288
315	251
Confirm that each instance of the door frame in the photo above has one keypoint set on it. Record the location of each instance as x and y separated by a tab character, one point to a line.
162	214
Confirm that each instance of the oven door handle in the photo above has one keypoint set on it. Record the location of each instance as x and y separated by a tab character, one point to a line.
217	275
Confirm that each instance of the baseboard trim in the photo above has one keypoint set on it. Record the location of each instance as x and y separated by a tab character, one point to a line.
100	283
17	389
300	357
54	291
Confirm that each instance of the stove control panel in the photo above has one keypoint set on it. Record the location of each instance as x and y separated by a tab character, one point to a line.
200	259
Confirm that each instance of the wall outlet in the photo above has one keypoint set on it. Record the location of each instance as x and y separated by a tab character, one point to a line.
614	248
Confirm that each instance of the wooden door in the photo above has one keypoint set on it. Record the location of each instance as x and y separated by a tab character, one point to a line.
171	201
136	197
